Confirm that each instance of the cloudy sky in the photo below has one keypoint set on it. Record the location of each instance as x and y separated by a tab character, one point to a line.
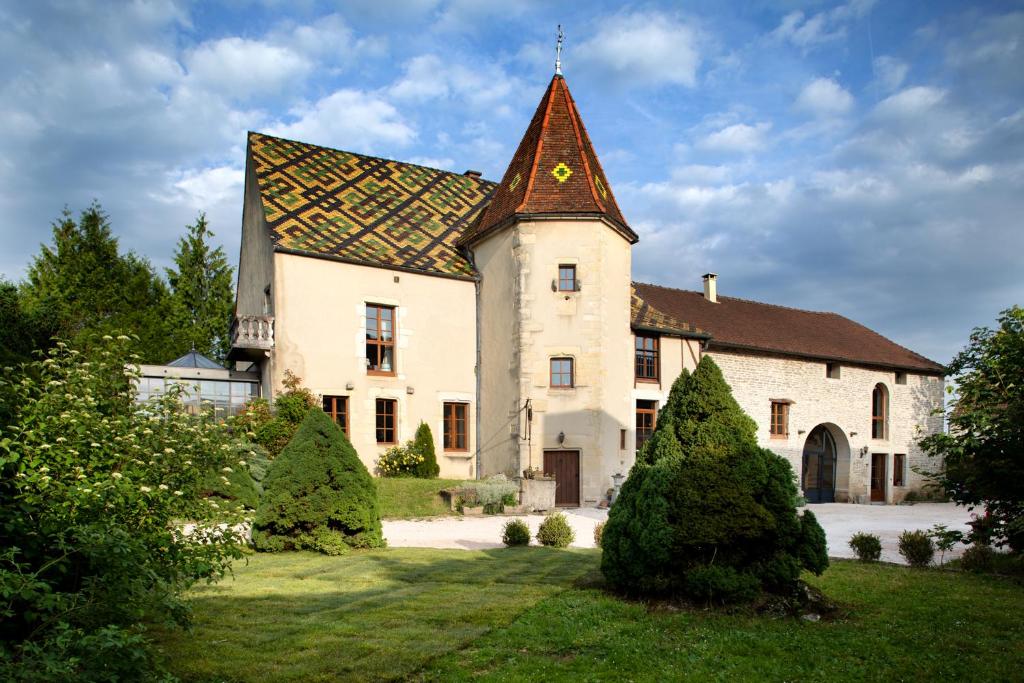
862	157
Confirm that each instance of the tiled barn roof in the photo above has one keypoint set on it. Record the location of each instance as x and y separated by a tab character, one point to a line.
554	172
742	324
364	209
646	318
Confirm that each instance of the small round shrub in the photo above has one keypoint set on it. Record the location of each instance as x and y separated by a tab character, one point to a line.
978	558
917	548
516	533
598	532
555	531
867	547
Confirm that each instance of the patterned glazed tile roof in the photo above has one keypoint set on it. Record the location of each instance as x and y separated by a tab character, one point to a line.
741	324
554	171
647	317
364	209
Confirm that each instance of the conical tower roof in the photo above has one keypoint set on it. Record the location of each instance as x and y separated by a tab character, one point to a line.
554	173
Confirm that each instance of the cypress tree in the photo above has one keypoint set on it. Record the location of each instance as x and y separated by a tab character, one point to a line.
423	445
318	495
705	511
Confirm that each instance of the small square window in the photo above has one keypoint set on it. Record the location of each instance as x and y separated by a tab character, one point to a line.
646	421
456	432
566	278
832	370
901	377
562	373
337	408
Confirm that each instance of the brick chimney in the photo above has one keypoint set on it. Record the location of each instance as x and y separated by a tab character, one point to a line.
711	287
472	174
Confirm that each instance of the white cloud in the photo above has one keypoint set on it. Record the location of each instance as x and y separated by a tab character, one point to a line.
645	47
890	72
348	119
445	163
738	137
810	32
910	103
242	68
824	97
200	189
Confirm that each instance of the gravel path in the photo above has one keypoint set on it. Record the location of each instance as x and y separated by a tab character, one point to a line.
839	520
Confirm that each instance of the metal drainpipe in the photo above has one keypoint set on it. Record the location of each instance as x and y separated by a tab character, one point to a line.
479	308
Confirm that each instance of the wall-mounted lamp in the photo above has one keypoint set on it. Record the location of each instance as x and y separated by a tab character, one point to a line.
863	451
801	431
853	433
410	390
350	386
561	438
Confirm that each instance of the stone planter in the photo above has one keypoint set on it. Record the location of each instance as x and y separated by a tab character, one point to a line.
471	510
537	495
515	510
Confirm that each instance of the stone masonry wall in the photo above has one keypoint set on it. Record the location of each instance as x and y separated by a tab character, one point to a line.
845	405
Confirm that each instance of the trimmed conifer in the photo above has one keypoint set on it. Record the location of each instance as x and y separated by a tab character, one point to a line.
318	495
703	494
423	445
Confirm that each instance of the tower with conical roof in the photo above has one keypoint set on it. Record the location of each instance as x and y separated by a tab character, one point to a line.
553	253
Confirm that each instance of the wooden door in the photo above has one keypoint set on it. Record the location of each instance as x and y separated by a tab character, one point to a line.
565	467
878	477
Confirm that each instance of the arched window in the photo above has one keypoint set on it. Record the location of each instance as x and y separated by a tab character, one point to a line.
880	412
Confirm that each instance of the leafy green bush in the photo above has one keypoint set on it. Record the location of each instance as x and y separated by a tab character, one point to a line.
555	531
867	547
423	445
978	558
598	532
273	428
702	494
91	487
945	539
317	494
917	548
399	461
493	493
258	459
516	533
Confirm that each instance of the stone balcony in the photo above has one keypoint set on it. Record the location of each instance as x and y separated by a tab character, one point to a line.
252	336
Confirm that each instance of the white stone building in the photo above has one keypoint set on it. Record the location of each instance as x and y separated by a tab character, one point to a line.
504	315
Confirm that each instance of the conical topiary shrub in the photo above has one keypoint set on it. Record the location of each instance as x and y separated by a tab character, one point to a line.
706	512
318	495
423	445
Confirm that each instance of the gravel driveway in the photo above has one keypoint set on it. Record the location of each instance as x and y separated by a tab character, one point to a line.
839	520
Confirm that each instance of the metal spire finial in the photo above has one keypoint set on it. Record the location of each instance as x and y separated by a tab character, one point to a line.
558	52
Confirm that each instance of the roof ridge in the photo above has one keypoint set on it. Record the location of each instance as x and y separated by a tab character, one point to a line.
480	179
532	174
746	301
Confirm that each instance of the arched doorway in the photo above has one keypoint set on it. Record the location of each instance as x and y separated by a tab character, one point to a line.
819	472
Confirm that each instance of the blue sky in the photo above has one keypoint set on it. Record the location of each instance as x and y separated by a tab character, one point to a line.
863	157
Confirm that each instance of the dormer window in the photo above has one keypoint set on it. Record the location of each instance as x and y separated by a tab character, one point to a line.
566	278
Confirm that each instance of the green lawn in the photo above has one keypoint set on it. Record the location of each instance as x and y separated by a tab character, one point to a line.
528	614
408	498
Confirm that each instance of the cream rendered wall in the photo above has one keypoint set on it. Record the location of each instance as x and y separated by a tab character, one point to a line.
320	336
675	353
592	327
501	420
844	403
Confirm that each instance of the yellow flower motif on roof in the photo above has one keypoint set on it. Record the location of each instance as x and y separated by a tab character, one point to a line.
515	182
600	187
561	172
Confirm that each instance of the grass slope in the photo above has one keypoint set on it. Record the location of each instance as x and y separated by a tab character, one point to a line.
520	614
408	498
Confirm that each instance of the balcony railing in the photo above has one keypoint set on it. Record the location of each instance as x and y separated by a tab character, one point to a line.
252	333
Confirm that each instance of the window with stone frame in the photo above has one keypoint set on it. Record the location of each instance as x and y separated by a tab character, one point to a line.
562	373
337	408
380	339
566	278
899	469
779	426
456	427
880	412
387	420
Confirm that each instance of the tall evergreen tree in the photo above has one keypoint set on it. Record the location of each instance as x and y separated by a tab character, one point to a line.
202	295
84	286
